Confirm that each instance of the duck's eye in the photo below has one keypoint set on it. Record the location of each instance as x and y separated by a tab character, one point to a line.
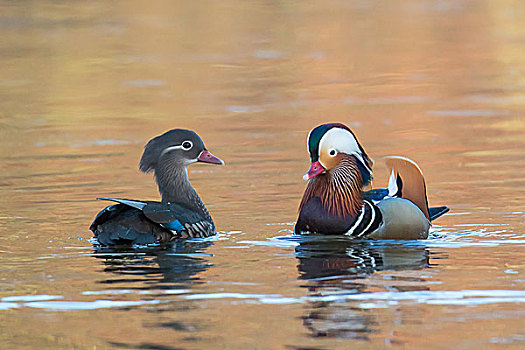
332	152
187	145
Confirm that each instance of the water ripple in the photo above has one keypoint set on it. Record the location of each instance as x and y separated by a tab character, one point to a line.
383	299
87	305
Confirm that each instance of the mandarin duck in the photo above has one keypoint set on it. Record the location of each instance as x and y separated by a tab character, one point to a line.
335	201
180	214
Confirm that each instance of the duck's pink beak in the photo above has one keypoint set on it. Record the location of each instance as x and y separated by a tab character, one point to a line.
207	157
315	169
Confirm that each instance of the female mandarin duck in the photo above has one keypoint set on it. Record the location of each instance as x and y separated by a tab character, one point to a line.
335	202
181	213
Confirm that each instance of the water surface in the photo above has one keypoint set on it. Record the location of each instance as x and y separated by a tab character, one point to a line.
84	85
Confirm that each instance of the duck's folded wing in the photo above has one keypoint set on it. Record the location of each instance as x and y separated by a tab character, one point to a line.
125	223
407	181
106	214
376	194
179	219
175	217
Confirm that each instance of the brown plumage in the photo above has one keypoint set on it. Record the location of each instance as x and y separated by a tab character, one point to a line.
340	189
414	188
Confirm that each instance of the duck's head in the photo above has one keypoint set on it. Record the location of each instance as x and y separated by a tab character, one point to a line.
177	147
329	145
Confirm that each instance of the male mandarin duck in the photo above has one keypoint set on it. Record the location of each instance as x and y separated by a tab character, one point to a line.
180	214
335	201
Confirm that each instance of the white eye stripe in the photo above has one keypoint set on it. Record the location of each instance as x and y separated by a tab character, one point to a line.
166	150
342	140
186	146
339	139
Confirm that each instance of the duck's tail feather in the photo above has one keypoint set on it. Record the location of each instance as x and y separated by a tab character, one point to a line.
129	202
406	181
436	212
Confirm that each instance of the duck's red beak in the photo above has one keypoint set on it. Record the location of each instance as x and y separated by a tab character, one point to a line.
315	169
207	157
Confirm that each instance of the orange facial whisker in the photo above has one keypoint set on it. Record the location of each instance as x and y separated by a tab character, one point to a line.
340	189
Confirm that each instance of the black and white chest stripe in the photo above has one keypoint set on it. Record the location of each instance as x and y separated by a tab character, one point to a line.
367	222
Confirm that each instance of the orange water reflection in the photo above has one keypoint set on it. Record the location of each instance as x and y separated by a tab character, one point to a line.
84	85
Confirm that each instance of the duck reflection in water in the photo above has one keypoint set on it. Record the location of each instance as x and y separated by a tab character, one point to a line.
335	267
157	274
155	269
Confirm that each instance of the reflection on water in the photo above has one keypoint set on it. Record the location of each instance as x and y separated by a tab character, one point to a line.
84	85
338	267
337	259
156	273
155	268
